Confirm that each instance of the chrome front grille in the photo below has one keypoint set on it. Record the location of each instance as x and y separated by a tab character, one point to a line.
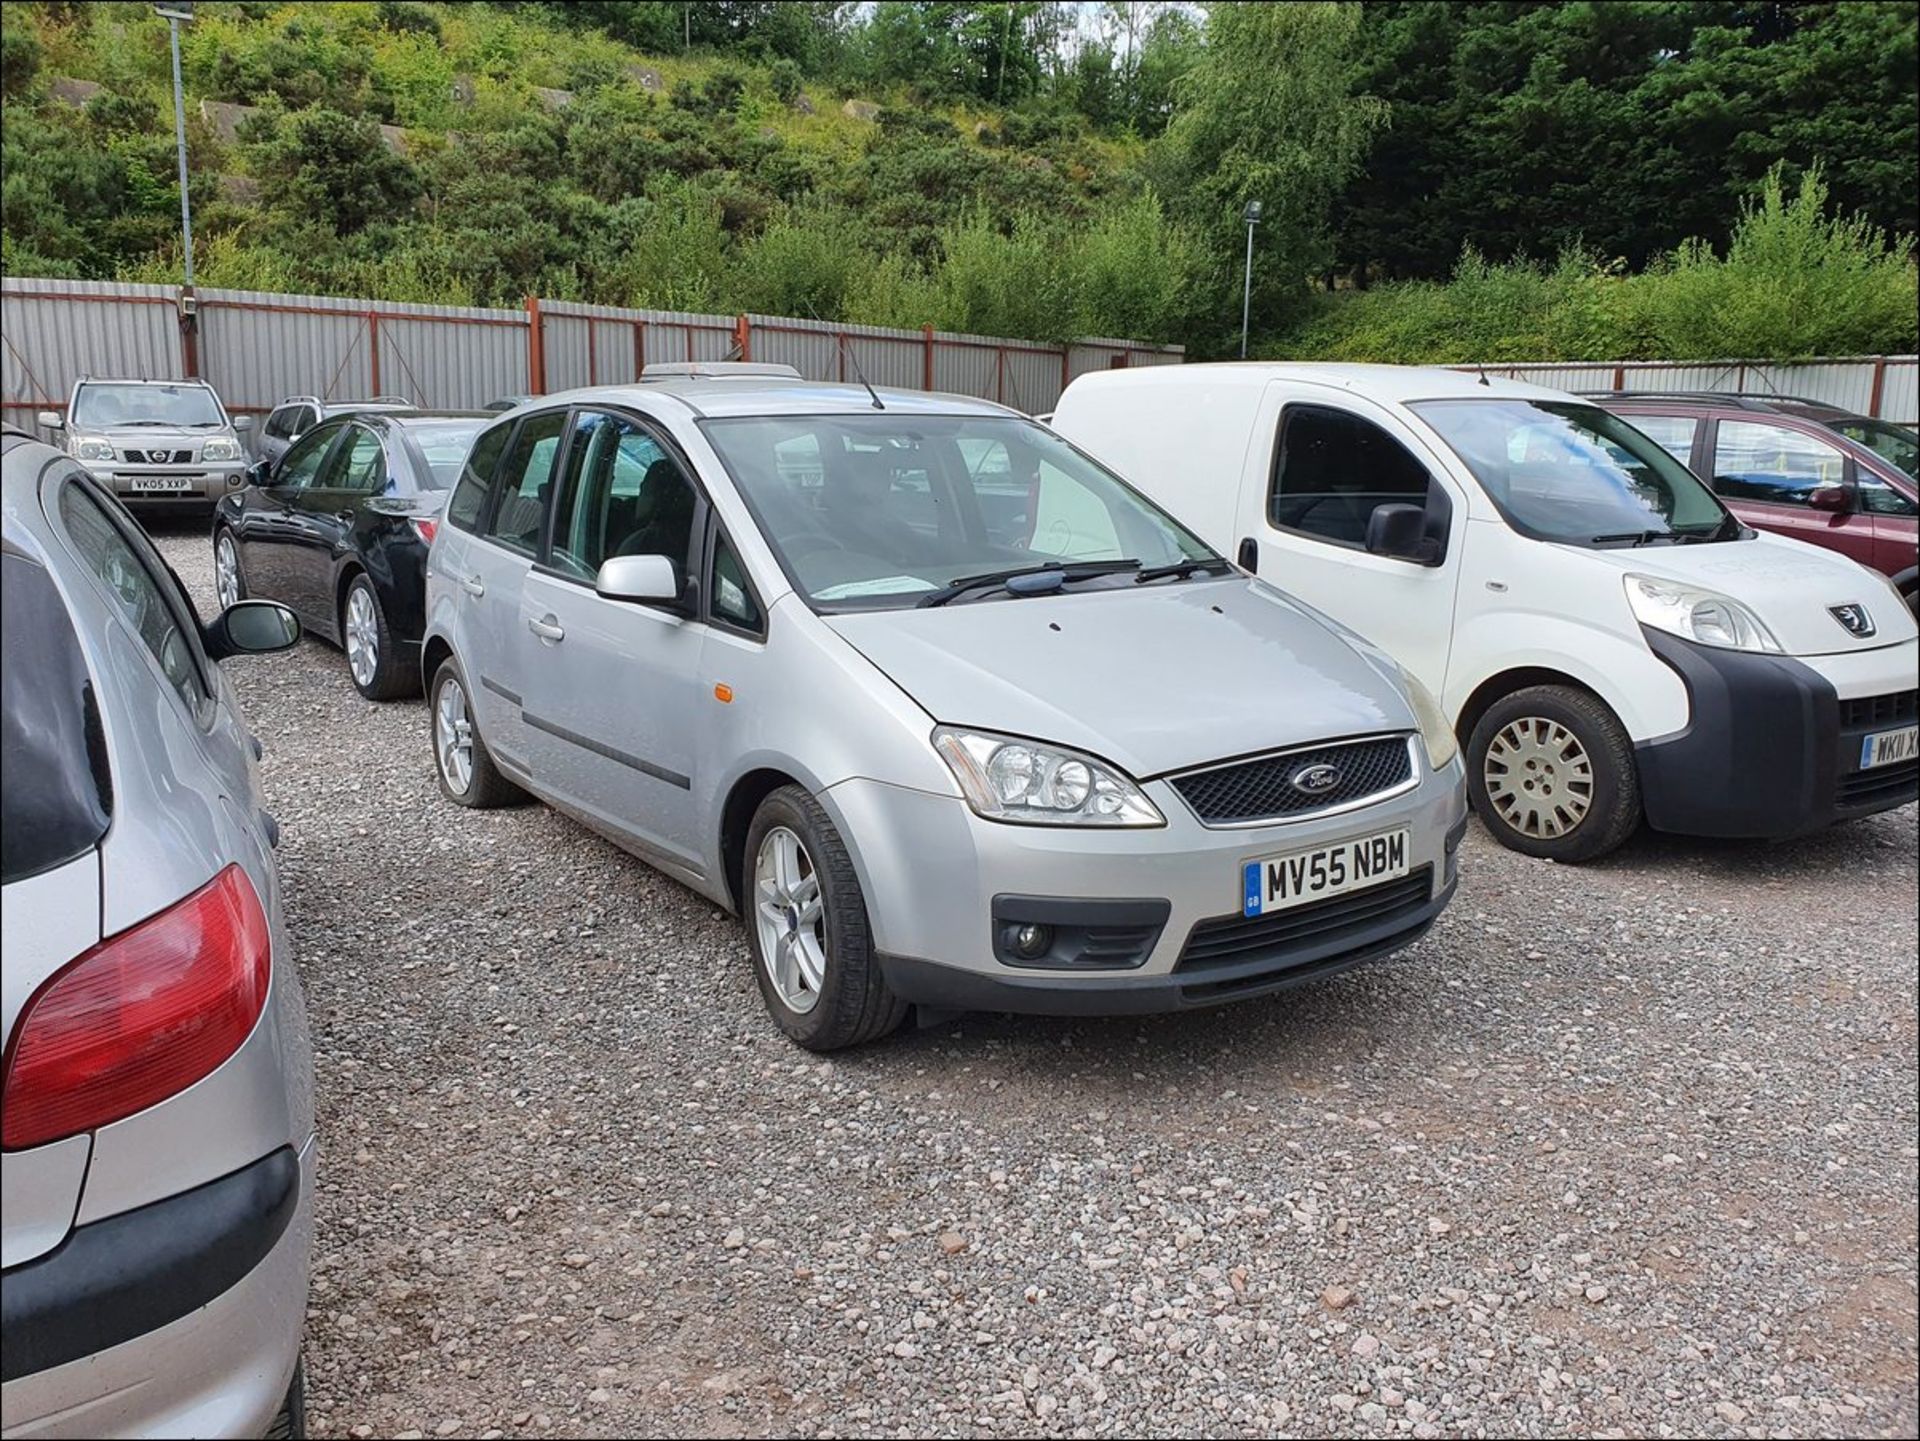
1275	787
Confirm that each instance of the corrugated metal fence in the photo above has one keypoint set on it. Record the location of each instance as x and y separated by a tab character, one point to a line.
1883	385
257	348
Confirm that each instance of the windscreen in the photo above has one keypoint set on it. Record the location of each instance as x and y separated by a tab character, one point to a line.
1899	448
877	511
443	444
55	796
1563	471
102	405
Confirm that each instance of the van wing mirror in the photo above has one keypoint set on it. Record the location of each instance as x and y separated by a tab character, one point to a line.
644	579
242	422
1831	497
49	419
1397	531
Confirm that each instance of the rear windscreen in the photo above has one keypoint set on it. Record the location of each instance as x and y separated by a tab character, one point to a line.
55	793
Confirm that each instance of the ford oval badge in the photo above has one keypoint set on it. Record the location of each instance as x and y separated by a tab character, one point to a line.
1316	779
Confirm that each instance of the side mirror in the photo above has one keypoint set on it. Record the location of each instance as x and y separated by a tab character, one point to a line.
250	627
1398	531
242	422
260	473
49	419
1831	498
645	579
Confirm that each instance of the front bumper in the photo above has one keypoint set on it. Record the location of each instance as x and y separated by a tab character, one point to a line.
935	877
181	1318
1772	746
200	484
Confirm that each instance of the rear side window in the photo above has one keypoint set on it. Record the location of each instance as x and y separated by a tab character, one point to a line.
56	796
1672	433
526	483
469	500
1332	468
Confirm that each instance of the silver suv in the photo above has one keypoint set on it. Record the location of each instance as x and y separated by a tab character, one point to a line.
156	1182
154	442
944	710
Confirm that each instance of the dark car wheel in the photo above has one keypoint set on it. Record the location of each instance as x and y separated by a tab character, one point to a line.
229	581
807	928
1552	774
373	660
467	774
291	1423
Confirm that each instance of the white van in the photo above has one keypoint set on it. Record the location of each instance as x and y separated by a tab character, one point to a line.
1609	641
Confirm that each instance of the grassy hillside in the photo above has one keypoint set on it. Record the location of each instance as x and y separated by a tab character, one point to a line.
520	155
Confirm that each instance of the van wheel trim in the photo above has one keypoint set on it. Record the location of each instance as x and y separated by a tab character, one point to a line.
1539	777
791	918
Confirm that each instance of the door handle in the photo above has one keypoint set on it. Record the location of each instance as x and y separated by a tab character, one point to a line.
472	585
1249	556
547	628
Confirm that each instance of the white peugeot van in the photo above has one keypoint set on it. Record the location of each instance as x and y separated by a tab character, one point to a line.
1610	642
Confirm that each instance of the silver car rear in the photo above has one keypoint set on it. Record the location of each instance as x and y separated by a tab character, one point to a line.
157	1109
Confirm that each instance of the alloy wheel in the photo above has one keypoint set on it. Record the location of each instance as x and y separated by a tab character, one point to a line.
791	919
453	737
226	571
1539	777
363	636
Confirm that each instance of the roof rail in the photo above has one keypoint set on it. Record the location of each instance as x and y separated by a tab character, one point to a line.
719	370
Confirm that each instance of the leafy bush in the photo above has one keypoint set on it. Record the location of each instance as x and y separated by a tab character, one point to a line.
1795	282
19	61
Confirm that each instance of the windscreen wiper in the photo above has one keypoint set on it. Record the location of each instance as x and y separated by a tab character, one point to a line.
1039	579
1181	568
1633	537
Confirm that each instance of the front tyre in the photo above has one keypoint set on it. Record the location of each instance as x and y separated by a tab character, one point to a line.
1552	774
228	581
373	660
291	1423
808	930
467	774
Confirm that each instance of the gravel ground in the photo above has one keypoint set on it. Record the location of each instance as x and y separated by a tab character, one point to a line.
1628	1149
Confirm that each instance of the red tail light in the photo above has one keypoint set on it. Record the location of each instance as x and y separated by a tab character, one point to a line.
424	528
140	1017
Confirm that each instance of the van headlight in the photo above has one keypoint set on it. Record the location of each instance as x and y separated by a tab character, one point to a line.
1442	744
90	449
220	448
1005	778
1704	616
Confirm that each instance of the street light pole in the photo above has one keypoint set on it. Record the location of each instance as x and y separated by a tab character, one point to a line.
1252	217
175	15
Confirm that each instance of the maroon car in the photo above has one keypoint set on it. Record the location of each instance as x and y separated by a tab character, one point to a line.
1798	468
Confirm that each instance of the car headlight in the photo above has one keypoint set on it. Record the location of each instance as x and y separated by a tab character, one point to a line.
1693	614
220	448
92	450
1005	778
1442	744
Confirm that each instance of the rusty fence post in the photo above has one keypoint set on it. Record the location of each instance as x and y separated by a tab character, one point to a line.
926	368
536	349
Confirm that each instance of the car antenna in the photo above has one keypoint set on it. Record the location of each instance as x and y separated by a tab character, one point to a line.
848	351
1483	375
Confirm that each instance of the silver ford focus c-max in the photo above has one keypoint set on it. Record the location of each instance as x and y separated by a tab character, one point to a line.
950	715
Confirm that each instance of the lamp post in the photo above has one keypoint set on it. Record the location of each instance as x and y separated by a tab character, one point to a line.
1252	217
178	13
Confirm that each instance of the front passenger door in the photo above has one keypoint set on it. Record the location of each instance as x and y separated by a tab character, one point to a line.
613	687
324	512
269	529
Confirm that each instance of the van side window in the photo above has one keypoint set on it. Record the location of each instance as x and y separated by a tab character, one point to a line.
525	482
469	500
623	495
1331	469
1672	433
733	601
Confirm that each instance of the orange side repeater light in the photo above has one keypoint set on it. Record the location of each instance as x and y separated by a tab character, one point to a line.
723	694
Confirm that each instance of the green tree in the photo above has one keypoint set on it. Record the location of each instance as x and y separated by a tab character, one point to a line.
1268	113
321	168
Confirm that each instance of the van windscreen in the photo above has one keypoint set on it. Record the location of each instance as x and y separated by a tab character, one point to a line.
1577	474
